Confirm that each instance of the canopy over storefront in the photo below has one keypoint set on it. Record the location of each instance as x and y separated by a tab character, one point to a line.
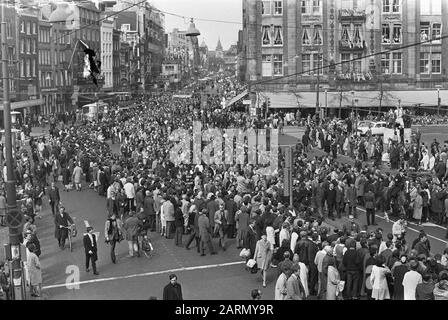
365	99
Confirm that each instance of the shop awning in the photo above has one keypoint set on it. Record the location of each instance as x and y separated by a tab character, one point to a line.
236	98
24	104
364	99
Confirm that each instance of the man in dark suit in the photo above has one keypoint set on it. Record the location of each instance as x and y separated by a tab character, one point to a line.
91	250
61	223
193	220
53	195
330	197
205	233
173	290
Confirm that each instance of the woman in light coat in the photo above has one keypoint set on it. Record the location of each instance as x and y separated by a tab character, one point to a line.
34	271
378	280
263	255
270	234
418	208
332	280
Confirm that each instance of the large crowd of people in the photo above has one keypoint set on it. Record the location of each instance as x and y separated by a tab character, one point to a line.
204	205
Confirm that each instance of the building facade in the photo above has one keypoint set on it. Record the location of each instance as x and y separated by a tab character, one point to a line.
337	44
106	32
116	60
28	94
143	29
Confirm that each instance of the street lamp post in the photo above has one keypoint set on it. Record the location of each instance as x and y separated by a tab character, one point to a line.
438	99
14	217
353	109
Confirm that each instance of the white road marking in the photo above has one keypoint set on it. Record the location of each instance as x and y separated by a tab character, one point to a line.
147	274
412	229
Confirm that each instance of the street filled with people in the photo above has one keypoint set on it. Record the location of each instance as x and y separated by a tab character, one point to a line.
337	176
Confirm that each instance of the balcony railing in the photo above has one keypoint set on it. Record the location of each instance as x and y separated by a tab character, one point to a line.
345	45
352	14
354	76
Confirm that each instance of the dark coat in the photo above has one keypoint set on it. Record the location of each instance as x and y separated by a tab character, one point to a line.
172	292
148	206
204	228
89	246
330	196
53	195
250	240
61	221
112	206
232	208
302	249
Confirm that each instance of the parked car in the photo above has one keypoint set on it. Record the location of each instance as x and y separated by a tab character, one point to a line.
377	128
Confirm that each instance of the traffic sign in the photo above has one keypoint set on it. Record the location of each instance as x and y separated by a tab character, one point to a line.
14	219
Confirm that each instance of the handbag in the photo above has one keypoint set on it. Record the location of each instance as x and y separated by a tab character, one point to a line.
251	263
245	253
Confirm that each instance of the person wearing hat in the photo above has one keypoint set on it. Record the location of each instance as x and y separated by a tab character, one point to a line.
91	249
173	290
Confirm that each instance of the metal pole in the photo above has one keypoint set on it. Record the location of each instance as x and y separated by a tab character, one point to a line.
291	188
318	90
438	102
326	103
10	183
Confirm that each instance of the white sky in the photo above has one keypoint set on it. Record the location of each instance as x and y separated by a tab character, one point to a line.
224	10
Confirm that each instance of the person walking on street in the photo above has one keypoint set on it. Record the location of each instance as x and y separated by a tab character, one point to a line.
34	271
77	175
193	219
173	290
220	225
179	226
113	233
54	198
369	201
91	250
132	227
62	222
263	254
205	233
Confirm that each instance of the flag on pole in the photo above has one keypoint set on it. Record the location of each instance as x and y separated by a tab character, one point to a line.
92	67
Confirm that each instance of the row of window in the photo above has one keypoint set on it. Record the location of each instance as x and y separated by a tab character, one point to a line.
27	67
28	45
28	27
44	35
60	78
352	34
391	63
45	57
272	7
